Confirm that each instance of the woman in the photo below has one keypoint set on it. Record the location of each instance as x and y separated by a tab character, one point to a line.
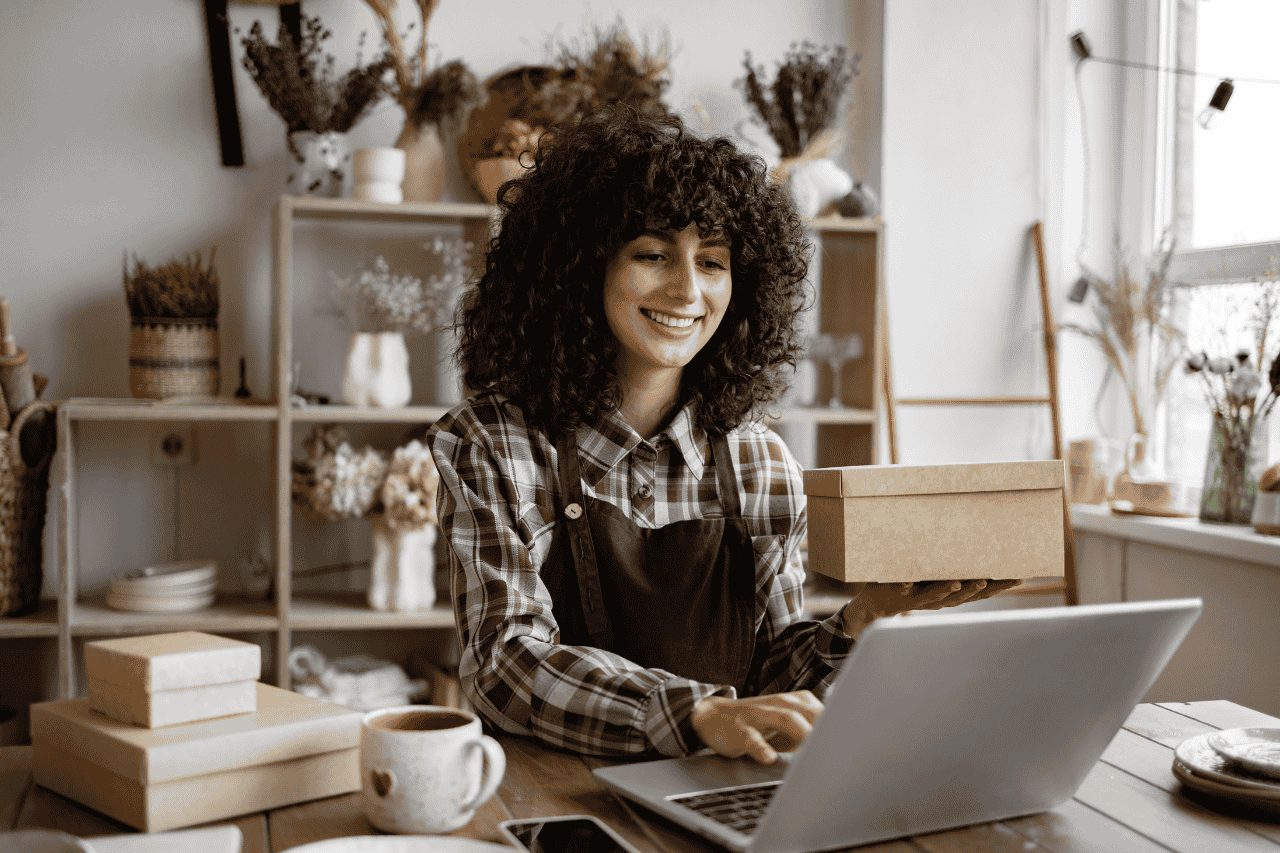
623	538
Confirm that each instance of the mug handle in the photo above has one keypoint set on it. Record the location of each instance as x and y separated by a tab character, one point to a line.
495	765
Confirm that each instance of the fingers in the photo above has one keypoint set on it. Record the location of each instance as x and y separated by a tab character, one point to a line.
792	725
757	747
806	703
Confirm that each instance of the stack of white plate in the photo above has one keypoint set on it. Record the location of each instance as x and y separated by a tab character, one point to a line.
1237	764
166	587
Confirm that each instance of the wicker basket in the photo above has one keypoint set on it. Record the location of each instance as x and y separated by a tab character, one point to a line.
26	446
173	357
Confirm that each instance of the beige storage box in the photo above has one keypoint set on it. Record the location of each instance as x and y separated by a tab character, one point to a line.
892	523
168	679
291	750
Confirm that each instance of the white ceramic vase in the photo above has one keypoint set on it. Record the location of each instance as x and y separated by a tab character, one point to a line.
377	370
322	164
816	184
402	571
423	162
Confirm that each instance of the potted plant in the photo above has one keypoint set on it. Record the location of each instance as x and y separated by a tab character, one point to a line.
798	109
173	341
298	80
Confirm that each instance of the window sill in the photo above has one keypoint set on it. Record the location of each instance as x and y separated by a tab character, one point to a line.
1233	541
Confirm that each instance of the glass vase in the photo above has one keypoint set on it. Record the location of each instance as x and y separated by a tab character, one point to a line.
1236	458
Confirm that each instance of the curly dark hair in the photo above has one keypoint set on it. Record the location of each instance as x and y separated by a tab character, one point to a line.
534	329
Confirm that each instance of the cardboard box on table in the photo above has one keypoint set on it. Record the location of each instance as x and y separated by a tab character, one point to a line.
893	523
167	679
291	750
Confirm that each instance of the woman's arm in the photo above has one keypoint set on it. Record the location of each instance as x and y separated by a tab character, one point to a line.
513	668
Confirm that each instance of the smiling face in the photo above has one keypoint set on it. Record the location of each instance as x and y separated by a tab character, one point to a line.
665	294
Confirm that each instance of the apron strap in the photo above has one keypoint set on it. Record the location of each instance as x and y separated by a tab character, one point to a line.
726	477
581	543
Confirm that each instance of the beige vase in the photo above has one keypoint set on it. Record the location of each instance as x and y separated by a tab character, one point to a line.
423	162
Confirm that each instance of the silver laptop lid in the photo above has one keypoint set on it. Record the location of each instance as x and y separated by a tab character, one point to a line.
939	720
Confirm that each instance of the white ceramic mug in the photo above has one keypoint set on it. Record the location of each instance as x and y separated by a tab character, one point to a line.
426	768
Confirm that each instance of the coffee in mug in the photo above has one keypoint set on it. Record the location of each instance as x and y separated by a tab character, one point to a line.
425	768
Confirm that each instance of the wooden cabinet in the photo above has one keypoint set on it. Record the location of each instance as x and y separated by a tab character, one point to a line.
847	278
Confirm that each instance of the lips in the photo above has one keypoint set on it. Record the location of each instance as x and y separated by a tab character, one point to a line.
670	321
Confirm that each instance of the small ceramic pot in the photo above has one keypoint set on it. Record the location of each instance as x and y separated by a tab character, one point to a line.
379	173
1266	513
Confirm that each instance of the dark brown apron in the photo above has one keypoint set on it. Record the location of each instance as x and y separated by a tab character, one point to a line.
680	598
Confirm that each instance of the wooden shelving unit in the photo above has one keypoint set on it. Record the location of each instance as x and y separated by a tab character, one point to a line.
850	291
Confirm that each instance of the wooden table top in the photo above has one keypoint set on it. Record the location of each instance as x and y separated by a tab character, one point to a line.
1131	801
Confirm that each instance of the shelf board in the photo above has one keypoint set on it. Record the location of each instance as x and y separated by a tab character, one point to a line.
347	611
824	415
92	617
313	207
368	414
848	224
42	623
126	409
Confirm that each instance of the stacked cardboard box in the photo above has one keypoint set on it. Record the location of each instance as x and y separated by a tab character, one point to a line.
217	763
167	679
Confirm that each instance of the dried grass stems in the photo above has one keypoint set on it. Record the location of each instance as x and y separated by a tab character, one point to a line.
184	288
299	80
804	96
440	96
607	66
1131	319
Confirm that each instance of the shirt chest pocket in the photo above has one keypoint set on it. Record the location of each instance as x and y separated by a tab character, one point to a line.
536	531
771	558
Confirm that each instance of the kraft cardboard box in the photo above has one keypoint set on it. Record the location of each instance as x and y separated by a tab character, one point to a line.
894	523
292	749
168	679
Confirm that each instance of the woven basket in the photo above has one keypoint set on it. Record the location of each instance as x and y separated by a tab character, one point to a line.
26	446
172	357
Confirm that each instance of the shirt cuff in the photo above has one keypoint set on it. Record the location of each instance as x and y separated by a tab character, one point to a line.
830	642
668	712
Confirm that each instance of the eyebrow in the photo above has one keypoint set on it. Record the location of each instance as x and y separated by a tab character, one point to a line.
717	240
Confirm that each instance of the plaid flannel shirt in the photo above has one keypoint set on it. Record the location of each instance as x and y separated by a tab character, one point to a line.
498	507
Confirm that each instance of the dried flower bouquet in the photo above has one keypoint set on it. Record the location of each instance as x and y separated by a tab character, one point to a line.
379	300
337	481
802	100
185	288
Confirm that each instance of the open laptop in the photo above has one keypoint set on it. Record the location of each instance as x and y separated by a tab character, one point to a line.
935	721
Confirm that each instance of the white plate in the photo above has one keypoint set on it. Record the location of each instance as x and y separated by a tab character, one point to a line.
1255	749
186	590
179	572
150	605
1202	759
401	844
1258	800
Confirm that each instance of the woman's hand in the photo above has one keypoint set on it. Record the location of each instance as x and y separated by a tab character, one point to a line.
876	600
759	726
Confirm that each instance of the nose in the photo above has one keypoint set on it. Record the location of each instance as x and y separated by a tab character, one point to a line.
682	280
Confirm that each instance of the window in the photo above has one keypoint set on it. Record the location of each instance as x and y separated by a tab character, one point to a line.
1219	190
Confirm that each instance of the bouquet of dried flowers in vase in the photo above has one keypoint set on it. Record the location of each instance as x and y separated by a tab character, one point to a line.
1132	328
299	81
336	480
409	490
1241	392
798	109
173	341
432	99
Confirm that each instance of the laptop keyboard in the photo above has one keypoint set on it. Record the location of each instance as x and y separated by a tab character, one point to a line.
736	808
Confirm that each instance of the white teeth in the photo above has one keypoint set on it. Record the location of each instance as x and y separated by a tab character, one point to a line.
669	320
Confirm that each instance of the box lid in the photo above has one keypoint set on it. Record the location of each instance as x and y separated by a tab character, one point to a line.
860	481
172	661
286	725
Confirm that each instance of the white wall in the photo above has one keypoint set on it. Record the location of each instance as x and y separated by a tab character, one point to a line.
981	138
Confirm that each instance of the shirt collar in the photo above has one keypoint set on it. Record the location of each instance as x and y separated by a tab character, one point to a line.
603	445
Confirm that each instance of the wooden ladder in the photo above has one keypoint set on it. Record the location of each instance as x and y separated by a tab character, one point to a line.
1067	586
